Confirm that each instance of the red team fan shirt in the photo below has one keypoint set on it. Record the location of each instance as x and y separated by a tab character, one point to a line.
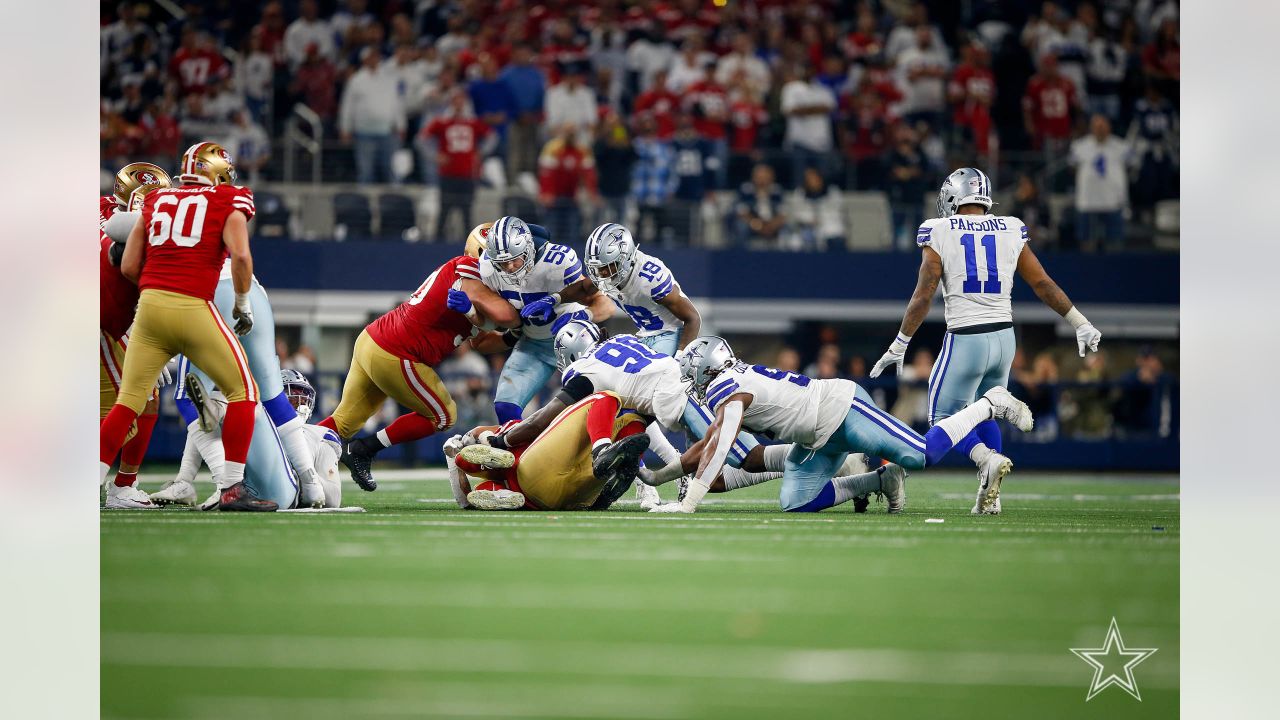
423	328
117	297
184	250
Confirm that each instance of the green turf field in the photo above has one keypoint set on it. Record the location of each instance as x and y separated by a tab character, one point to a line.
415	609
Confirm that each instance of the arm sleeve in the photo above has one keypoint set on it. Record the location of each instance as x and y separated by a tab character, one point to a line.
575	388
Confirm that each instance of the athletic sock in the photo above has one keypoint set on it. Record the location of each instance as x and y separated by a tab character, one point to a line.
989	433
112	432
659	444
233	472
601	414
951	430
124	479
190	464
329	423
406	428
737	478
775	457
209	447
979	454
852	486
507	412
136	449
237	433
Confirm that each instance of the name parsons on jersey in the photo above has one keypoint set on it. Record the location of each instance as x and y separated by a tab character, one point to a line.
995	223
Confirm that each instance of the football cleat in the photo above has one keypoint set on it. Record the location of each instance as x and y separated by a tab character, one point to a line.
617	465
1010	408
647	495
206	419
488	457
861	503
211	502
495	499
893	485
175	492
360	464
239	498
682	487
128	498
990	475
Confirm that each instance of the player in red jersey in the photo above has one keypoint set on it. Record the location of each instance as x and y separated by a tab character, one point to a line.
394	357
116	300
175	253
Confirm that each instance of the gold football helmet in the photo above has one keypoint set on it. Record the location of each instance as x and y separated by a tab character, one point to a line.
135	180
478	240
208	163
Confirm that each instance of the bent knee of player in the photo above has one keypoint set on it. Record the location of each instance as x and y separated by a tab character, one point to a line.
910	459
132	399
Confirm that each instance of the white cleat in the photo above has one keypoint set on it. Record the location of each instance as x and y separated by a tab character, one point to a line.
487	457
175	492
893	485
648	496
212	502
1010	408
128	498
495	499
990	475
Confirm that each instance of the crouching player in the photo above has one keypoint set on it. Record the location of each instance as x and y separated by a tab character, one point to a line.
826	419
555	471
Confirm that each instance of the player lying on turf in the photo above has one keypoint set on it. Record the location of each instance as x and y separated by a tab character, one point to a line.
555	471
268	472
826	419
964	243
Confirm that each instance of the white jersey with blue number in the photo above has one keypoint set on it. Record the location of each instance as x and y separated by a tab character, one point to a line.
785	406
979	256
650	282
644	380
557	267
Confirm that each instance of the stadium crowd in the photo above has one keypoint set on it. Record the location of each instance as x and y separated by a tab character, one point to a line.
646	109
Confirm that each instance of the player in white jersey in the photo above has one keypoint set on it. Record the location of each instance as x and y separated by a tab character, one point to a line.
533	281
642	287
825	420
974	254
267	471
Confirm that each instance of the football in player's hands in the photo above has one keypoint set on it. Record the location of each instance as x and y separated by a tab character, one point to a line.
539	310
458	301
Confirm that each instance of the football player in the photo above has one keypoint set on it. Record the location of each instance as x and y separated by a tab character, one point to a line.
117	299
826	420
394	357
174	252
555	471
533	280
268	472
974	254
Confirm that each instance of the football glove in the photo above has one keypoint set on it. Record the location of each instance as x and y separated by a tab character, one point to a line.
115	253
897	352
242	313
458	301
540	310
165	378
497	441
1087	336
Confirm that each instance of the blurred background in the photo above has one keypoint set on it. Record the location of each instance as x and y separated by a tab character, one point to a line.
777	155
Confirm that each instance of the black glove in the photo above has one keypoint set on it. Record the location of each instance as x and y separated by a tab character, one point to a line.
115	253
497	441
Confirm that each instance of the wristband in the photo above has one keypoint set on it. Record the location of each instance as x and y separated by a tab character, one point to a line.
242	301
904	340
1075	317
555	298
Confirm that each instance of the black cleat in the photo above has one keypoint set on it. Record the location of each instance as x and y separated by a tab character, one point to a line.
617	465
199	397
360	463
861	503
239	498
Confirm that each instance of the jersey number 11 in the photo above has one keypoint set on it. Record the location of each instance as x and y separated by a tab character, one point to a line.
971	282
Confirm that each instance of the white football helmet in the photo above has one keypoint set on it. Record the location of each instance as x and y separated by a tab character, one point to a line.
702	360
611	256
574	341
510	240
299	391
966	186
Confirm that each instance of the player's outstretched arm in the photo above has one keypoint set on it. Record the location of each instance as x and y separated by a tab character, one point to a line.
719	440
131	261
683	308
1029	267
532	426
235	235
917	310
601	308
491	305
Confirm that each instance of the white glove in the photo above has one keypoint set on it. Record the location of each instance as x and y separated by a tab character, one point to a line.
895	356
453	446
672	507
242	314
165	378
1088	336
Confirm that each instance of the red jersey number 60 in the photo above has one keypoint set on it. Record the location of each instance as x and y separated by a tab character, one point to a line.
188	214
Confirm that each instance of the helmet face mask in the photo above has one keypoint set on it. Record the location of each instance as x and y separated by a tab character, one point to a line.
610	257
135	180
300	392
208	163
966	186
702	360
575	341
510	240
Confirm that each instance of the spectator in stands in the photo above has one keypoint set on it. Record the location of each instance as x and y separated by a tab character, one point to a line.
1038	386
309	29
198	122
708	104
690	66
653	179
696	168
412	78
1048	109
139	65
864	136
270	31
1108	63
972	90
1102	185
742	62
904	36
528	86
1161	59
912	405
807	105
1143	405
660	104
162	136
460	139
827	365
493	100
372	116
788	359
1153	136
119	35
248	143
760	215
907	184
196	64
571	103
649	53
866	39
922	73
304	360
466	376
1091	407
1031	208
352	16
818	213
315	84
615	157
857	368
566	170
255	77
